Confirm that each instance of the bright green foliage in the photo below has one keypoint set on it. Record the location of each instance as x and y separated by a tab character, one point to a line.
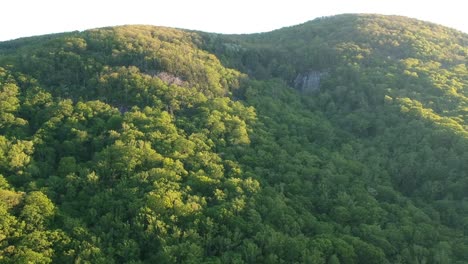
140	144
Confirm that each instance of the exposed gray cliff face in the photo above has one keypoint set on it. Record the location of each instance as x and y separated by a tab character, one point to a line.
309	81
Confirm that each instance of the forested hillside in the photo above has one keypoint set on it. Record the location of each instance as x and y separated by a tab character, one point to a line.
341	140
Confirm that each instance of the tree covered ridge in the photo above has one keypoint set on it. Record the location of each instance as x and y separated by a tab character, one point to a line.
140	144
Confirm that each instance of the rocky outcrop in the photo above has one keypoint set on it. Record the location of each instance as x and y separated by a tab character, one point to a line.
309	81
170	79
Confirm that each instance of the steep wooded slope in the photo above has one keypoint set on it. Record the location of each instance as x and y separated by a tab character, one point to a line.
141	144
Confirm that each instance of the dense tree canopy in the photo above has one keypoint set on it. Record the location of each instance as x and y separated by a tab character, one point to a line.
140	144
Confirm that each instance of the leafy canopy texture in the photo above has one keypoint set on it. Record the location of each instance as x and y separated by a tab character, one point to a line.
341	140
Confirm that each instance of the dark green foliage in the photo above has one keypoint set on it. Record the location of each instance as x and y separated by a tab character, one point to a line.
140	144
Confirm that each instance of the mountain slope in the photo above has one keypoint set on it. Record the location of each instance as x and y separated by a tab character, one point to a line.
341	140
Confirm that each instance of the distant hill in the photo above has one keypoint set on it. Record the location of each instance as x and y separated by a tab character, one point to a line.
340	140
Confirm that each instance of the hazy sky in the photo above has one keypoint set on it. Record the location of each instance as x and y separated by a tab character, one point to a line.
20	18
